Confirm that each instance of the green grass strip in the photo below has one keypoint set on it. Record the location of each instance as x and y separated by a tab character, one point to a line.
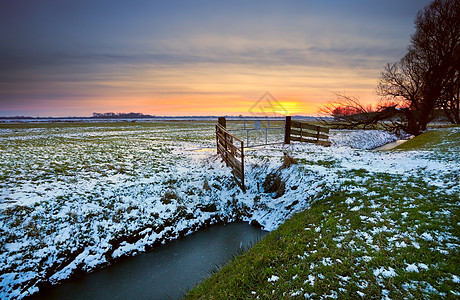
440	139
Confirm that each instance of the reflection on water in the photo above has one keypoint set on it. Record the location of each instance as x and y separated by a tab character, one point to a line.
166	272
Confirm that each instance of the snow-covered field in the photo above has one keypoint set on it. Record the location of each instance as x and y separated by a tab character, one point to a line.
75	198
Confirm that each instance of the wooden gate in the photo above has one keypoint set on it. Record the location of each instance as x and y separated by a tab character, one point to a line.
304	132
231	149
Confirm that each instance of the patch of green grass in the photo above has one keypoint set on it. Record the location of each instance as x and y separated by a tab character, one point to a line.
325	163
389	235
439	139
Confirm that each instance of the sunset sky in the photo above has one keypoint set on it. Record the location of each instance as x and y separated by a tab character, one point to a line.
73	58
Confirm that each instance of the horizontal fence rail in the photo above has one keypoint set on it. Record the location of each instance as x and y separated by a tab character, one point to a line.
304	132
231	149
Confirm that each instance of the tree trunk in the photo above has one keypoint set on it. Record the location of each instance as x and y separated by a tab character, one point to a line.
412	126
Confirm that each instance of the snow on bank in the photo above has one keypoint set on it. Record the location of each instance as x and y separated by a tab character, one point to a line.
77	199
361	139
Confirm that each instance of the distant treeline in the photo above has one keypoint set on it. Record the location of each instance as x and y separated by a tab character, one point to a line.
111	115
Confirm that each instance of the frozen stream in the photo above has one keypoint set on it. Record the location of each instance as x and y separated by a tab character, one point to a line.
166	272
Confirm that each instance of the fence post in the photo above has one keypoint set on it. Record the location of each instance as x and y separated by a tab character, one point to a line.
222	121
287	130
242	168
226	147
217	139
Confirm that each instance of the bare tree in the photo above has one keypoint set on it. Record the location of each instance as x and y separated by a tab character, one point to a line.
401	83
450	98
425	78
424	81
436	42
348	112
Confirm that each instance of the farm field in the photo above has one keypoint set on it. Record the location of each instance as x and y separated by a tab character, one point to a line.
77	196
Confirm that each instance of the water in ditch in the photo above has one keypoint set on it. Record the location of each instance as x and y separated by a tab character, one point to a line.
391	145
163	273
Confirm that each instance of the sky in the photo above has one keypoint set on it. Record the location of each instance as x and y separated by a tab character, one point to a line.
72	58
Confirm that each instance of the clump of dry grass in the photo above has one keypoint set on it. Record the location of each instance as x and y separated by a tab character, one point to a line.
206	186
274	184
287	161
168	196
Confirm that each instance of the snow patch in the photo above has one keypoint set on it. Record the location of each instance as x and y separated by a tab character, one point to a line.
384	272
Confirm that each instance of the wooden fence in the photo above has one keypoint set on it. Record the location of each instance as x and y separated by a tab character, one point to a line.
231	148
231	153
304	132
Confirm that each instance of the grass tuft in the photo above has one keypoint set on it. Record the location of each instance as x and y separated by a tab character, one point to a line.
287	161
274	184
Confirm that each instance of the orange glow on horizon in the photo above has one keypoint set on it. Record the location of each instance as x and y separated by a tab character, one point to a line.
215	105
208	89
